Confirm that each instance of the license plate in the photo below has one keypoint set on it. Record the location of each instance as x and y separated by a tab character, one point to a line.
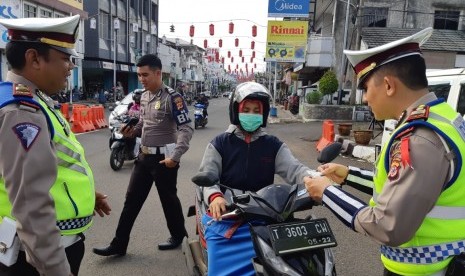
299	236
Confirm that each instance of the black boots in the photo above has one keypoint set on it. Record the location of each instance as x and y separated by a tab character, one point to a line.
113	249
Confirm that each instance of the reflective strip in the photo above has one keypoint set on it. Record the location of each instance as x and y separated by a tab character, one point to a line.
438	117
67	151
447	212
71	166
76	223
359	180
375	196
423	255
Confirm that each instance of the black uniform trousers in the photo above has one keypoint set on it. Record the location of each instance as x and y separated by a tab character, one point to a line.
74	254
147	170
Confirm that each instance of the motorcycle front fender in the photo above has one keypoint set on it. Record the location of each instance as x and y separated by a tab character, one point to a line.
117	144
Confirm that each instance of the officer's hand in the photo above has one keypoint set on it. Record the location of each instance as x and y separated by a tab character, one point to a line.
127	131
335	172
169	163
101	204
316	186
217	207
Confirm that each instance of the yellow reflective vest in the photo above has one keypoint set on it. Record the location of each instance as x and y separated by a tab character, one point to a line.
73	191
442	234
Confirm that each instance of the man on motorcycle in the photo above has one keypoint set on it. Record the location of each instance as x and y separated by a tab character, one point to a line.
244	158
134	107
203	100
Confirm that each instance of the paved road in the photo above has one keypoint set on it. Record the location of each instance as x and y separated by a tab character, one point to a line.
355	254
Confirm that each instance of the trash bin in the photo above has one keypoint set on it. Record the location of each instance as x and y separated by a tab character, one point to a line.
273	112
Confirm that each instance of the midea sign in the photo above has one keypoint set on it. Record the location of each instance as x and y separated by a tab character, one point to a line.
288	8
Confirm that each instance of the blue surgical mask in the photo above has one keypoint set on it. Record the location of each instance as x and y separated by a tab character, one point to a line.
250	122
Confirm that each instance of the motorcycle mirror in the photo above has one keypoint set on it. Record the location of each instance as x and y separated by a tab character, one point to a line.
205	179
329	153
111	108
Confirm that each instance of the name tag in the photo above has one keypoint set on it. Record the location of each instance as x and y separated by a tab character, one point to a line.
459	124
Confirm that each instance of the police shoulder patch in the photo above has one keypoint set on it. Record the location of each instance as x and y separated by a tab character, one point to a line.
27	134
395	158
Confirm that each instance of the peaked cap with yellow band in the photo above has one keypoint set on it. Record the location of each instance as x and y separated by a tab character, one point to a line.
59	33
365	61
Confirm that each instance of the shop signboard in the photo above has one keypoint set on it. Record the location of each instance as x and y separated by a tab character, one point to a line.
288	8
286	41
8	9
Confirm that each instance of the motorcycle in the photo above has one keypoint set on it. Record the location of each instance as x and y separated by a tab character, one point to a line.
283	244
201	119
119	145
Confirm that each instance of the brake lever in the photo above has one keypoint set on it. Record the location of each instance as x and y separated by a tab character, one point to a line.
224	216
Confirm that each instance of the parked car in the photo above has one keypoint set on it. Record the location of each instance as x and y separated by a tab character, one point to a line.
226	94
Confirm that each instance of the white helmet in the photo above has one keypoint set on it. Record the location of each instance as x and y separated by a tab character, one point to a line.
249	90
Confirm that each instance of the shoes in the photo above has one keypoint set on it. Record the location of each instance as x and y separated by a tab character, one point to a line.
171	243
110	251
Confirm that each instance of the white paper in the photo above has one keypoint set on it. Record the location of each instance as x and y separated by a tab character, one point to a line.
169	149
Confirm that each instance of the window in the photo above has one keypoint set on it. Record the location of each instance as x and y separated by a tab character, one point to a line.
30	10
446	20
45	13
104	25
59	15
374	17
461	103
154	12
122	32
146	9
441	90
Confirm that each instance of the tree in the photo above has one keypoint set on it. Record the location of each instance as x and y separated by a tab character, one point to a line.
328	84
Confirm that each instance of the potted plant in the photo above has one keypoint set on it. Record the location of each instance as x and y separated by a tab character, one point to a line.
344	129
363	136
314	97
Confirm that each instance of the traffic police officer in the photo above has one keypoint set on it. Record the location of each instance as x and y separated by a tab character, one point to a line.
166	130
417	212
46	184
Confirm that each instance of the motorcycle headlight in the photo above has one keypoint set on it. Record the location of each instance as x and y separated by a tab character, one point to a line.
275	261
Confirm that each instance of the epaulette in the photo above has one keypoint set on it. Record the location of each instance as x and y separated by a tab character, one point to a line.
405	132
170	91
29	104
419	113
21	90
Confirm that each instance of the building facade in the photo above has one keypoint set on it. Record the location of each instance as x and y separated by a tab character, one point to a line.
132	26
44	8
369	23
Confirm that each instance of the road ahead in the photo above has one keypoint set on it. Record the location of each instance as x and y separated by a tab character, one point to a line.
355	254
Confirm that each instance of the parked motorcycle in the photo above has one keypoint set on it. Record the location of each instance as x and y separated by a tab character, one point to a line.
120	145
201	119
284	244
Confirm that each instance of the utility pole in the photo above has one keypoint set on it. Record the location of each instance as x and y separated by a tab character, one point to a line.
341	77
358	40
